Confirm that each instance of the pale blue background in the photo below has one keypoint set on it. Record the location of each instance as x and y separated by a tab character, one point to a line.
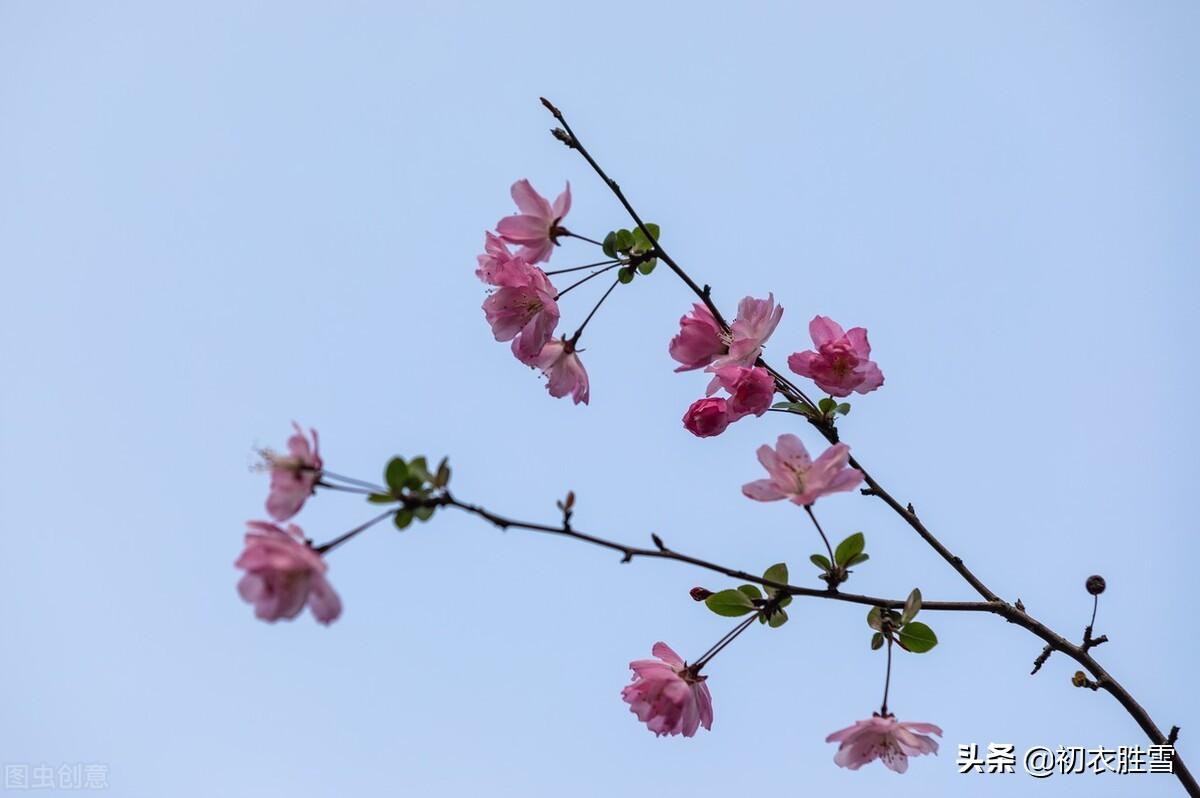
217	218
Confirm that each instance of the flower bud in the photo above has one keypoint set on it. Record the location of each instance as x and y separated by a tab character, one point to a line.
1095	584
700	593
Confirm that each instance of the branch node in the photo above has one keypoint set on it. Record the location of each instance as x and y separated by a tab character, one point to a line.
911	510
658	542
1041	659
628	557
1173	735
869	492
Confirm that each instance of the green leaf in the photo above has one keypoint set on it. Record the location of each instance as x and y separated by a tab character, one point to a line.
776	573
381	498
418	472
654	230
730	603
645	267
849	548
442	478
610	244
843	408
856	559
875	619
396	474
751	591
911	606
827	405
786	600
625	275
822	562
624	240
917	637
424	513
403	518
777	619
876	641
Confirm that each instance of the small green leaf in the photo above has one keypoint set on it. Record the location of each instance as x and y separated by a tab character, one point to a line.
786	600
843	408
751	591
730	603
875	619
776	573
624	240
396	474
645	267
442	478
911	606
418	472
777	619
381	498
849	548
403	518
827	405
822	562
625	275
917	637
876	641
610	244
424	512
858	558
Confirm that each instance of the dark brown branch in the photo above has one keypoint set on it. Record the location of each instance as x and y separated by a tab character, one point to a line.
1054	641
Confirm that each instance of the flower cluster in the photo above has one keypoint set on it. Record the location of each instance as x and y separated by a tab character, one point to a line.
523	304
283	572
668	696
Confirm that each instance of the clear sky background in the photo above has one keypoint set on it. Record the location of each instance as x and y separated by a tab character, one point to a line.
218	218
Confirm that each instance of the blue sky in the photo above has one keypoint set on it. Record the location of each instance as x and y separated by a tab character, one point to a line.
216	219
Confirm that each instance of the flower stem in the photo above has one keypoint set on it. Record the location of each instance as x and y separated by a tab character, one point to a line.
562	231
579	332
596	273
581	268
724	641
887	680
828	548
333	544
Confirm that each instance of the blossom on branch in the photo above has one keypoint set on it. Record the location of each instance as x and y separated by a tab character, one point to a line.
496	256
699	340
756	320
707	417
666	696
283	574
797	477
564	371
842	361
294	476
523	309
750	389
883	738
535	229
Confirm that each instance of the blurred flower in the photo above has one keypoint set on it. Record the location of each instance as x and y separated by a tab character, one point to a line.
494	259
666	696
283	573
795	476
536	227
842	362
883	738
293	476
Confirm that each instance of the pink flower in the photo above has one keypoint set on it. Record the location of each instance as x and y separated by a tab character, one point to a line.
564	371
283	573
842	362
707	417
699	340
756	320
666	696
523	307
750	389
494	260
536	227
795	476
883	738
294	476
